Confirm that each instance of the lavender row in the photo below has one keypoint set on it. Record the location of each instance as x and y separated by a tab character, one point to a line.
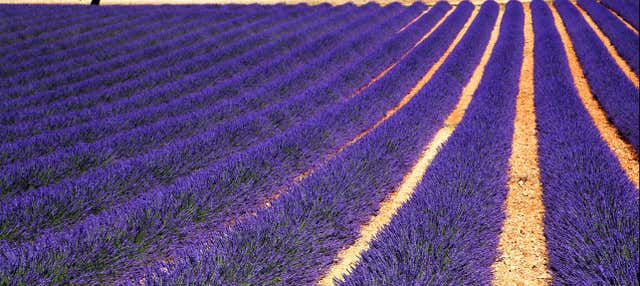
614	91
39	68
68	62
17	33
18	17
64	67
447	233
29	95
591	208
191	199
93	131
80	31
186	69
35	16
60	39
75	160
30	107
226	32
622	37
310	224
36	64
628	10
95	190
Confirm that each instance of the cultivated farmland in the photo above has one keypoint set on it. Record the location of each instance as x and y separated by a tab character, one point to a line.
441	144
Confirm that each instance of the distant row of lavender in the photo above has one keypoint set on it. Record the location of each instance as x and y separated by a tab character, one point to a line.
179	51
136	39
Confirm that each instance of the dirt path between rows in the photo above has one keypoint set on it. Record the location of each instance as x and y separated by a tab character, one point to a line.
350	256
523	255
625	153
407	25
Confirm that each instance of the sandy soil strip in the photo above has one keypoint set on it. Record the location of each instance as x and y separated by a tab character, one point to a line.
349	257
523	259
624	151
413	20
624	66
619	18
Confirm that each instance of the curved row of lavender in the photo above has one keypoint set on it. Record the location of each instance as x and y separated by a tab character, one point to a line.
591	208
92	125
63	65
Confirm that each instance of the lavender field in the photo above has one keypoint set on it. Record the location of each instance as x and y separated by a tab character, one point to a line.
444	144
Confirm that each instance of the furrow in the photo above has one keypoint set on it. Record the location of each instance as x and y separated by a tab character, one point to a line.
523	254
